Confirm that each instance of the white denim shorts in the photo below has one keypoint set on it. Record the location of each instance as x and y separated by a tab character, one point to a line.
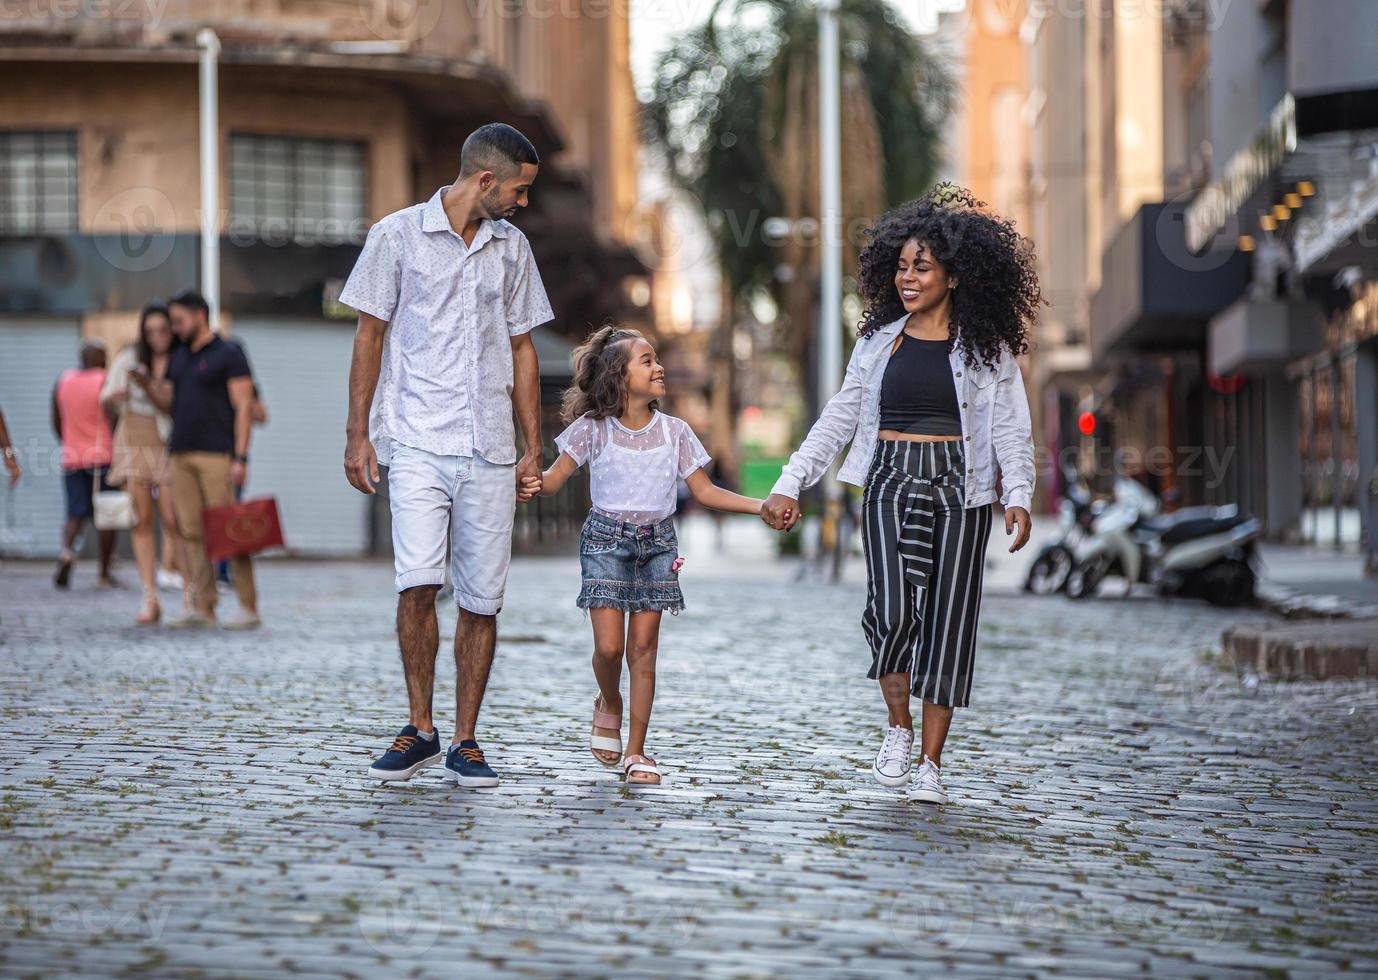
460	507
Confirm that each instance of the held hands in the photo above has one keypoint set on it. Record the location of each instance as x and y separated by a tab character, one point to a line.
780	512
528	477
1019	516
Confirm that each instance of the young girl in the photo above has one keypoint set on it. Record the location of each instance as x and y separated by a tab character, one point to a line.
627	549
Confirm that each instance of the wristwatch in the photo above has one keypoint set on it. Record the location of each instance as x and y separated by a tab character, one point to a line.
241	459
11	452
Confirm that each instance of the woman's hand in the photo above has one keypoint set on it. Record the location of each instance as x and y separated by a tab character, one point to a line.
780	512
1020	516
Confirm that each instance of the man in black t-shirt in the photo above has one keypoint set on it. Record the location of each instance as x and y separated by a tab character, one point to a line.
210	394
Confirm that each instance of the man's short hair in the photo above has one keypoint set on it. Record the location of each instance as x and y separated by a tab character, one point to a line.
497	147
192	300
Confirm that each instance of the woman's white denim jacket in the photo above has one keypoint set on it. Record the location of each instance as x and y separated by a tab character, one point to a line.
995	425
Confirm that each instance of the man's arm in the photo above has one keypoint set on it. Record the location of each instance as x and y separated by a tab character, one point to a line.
57	416
241	392
526	398
361	462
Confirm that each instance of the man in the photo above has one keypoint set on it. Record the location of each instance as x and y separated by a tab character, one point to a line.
458	286
82	427
210	394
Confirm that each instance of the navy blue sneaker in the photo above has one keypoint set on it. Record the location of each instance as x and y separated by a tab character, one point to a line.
465	766
409	752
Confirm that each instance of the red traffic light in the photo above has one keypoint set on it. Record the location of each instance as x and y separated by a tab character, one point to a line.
1086	422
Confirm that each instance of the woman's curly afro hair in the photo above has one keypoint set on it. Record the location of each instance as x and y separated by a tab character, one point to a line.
998	299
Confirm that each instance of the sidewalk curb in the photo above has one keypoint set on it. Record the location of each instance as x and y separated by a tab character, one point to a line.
1305	651
1295	604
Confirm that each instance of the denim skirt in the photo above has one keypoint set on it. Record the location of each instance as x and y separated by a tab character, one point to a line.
629	566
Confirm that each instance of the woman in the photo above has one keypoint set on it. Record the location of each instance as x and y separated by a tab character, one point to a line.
933	403
140	451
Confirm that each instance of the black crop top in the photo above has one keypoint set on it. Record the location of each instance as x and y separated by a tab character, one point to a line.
917	393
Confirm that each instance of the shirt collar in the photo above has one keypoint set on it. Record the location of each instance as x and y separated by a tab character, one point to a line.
434	218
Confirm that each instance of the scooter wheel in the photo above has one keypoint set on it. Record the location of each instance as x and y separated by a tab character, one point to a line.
1084	578
1228	583
1049	572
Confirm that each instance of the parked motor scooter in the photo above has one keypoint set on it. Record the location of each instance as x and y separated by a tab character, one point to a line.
1076	512
1203	552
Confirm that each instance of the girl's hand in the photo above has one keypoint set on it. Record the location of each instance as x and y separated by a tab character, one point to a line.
529	487
678	564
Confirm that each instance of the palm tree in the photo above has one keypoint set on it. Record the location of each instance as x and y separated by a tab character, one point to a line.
734	112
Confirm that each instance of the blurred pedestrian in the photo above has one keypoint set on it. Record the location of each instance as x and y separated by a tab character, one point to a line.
9	452
934	407
81	425
140	462
209	394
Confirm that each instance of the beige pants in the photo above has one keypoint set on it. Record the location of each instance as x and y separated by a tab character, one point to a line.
201	480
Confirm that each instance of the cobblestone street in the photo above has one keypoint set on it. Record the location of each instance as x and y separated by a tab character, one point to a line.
1122	805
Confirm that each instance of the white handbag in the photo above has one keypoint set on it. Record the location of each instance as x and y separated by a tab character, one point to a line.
113	509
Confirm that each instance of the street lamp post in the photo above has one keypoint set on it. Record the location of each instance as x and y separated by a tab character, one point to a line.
830	243
209	43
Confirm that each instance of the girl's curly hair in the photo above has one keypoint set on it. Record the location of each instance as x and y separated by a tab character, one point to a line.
998	299
600	374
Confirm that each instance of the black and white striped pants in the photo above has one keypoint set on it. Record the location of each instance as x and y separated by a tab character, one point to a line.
925	554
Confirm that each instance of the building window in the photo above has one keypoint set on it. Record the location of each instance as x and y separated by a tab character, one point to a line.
300	190
38	182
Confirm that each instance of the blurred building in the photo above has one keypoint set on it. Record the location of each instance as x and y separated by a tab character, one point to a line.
1293	124
993	156
332	113
1203	189
1063	164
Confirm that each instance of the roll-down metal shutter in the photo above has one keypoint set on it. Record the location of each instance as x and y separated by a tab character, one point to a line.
33	352
302	369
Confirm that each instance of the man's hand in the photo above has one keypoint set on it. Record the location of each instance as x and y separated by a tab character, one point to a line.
361	464
239	473
780	512
1020	516
528	477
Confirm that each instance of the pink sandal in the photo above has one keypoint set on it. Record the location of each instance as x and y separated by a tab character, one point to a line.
605	743
643	764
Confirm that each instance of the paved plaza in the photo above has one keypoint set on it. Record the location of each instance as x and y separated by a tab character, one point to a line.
195	804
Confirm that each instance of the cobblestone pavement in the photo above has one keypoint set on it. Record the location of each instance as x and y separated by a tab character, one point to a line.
1122	805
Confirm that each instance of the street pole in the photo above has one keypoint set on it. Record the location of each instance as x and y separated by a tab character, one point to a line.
830	243
209	44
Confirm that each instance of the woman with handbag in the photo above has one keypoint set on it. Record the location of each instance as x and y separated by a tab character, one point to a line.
140	450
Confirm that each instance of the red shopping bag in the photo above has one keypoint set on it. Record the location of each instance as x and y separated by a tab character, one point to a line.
242	529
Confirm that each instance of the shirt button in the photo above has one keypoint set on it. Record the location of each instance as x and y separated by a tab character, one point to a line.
968	438
959	374
964	404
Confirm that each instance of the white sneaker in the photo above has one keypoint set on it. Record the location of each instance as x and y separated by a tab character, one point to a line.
170	581
895	758
928	786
